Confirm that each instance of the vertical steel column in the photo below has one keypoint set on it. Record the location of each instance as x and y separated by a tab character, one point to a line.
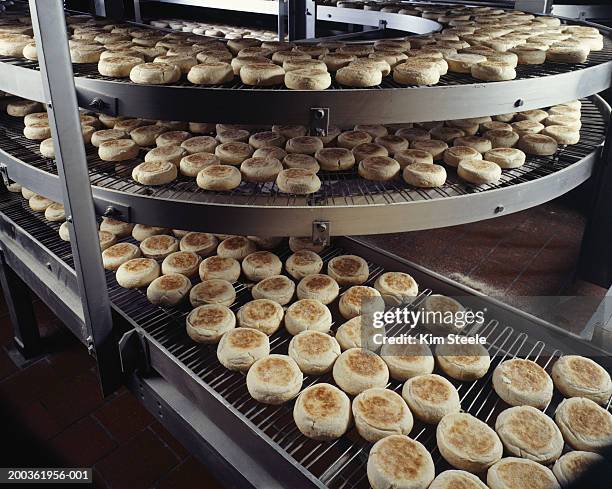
296	18
110	8
19	304
311	19
281	19
596	250
137	12
58	81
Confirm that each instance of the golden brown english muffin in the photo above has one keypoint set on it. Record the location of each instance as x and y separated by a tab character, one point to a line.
261	314
529	433
240	348
314	352
209	322
518	473
457	479
467	443
431	397
322	412
573	464
274	379
357	370
577	376
399	461
381	412
584	424
348	270
523	382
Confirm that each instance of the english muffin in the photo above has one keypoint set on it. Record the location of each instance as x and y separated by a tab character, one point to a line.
467	443
276	287
184	262
360	299
264	315
397	461
314	352
209	322
260	265
308	315
213	291
237	247
584	424
303	263
396	288
577	376
359	332
457	479
573	464
523	382
168	290
463	361
220	268
518	473
431	397
379	413
357	370
322	412
159	247
138	272
116	255
202	244
274	379
240	348
406	361
529	433
319	287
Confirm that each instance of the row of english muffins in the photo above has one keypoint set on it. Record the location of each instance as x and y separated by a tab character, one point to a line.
214	29
227	155
486	45
324	411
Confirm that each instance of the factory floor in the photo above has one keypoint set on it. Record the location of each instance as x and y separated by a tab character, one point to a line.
53	414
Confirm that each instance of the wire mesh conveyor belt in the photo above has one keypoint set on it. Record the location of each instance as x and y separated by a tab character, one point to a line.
336	464
523	72
344	188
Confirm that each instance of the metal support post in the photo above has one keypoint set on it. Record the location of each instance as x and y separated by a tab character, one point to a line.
109	8
58	83
137	12
311	19
596	252
282	19
296	18
19	304
534	6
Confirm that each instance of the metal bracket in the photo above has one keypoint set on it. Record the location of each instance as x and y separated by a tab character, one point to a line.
134	352
4	172
108	208
382	24
89	99
319	121
320	232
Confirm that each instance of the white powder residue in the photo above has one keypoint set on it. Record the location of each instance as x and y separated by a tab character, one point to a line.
479	285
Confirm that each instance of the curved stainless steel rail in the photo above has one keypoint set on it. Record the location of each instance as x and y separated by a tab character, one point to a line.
266	212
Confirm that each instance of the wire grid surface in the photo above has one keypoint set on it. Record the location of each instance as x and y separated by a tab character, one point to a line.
344	188
523	72
337	464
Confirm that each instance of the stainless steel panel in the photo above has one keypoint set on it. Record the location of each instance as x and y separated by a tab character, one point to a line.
400	22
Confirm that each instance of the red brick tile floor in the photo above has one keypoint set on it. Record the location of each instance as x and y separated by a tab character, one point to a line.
52	413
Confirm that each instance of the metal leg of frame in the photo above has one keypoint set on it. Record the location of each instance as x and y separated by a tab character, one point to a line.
137	11
296	18
19	304
311	19
58	81
281	19
596	252
109	8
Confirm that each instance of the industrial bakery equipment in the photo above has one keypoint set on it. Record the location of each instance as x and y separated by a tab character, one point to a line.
146	345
